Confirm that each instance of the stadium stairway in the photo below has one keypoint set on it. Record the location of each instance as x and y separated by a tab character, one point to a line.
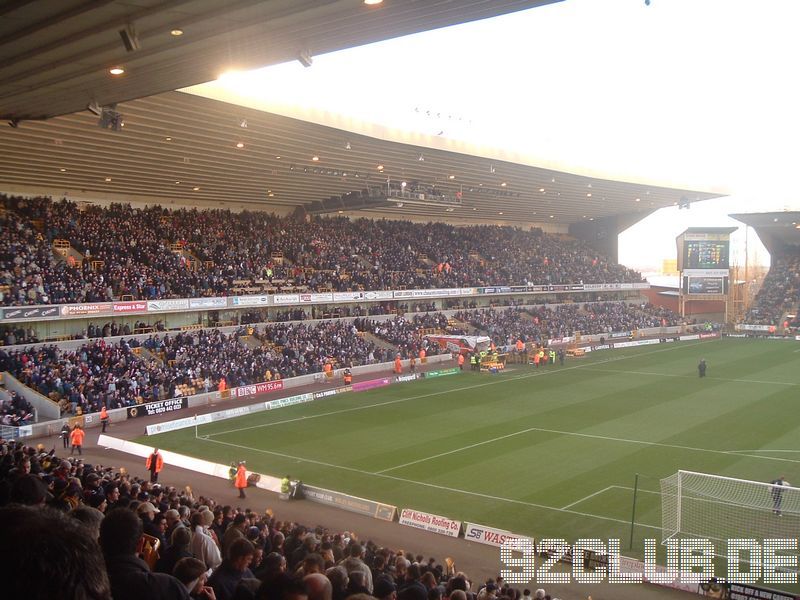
250	342
377	341
145	354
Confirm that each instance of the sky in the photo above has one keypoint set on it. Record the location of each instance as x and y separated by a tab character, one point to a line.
691	93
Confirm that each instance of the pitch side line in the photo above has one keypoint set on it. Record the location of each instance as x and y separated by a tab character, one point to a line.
588	368
429	485
461	389
605	489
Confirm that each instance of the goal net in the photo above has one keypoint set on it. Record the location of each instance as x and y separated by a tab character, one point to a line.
698	505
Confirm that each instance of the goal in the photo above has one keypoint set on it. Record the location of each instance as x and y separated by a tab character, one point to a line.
699	505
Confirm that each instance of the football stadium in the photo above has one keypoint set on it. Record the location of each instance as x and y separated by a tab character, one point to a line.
330	299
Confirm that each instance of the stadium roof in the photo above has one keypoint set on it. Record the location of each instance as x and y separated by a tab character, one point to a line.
177	137
180	148
55	55
777	230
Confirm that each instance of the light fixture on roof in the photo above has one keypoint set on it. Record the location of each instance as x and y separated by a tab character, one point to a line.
196	189
399	205
315	158
177	183
240	144
452	177
451	209
168	139
108	179
491	169
305	58
403	184
421	158
277	158
504	184
589	195
116	71
177	32
499	213
63	170
271	195
380	167
347	146
372	2
243	123
541	190
552	216
638	200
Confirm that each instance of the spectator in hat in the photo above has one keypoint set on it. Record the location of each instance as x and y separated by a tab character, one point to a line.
234	532
173	518
129	575
384	588
33	540
147	513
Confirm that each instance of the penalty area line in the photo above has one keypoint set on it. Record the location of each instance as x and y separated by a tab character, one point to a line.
430	485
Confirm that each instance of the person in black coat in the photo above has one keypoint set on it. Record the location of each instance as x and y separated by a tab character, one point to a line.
129	575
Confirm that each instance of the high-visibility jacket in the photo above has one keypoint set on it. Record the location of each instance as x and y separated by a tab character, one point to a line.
159	462
241	477
398	366
285	485
460	359
520	346
103	414
76	437
422	354
473	360
223	385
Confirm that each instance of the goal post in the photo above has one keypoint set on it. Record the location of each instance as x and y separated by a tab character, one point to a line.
700	505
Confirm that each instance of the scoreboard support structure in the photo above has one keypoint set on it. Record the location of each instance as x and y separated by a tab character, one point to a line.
704	266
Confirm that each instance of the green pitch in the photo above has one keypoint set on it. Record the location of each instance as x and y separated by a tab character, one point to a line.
549	452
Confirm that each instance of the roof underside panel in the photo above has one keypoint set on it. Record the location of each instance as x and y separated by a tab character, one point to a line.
274	166
55	54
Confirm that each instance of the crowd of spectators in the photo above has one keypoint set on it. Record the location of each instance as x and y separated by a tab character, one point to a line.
779	293
129	371
542	323
407	335
120	374
152	253
15	410
77	530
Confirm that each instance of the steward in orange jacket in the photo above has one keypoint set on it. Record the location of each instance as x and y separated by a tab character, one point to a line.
154	464
241	479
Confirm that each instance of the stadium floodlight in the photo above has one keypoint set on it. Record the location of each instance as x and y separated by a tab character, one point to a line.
699	505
